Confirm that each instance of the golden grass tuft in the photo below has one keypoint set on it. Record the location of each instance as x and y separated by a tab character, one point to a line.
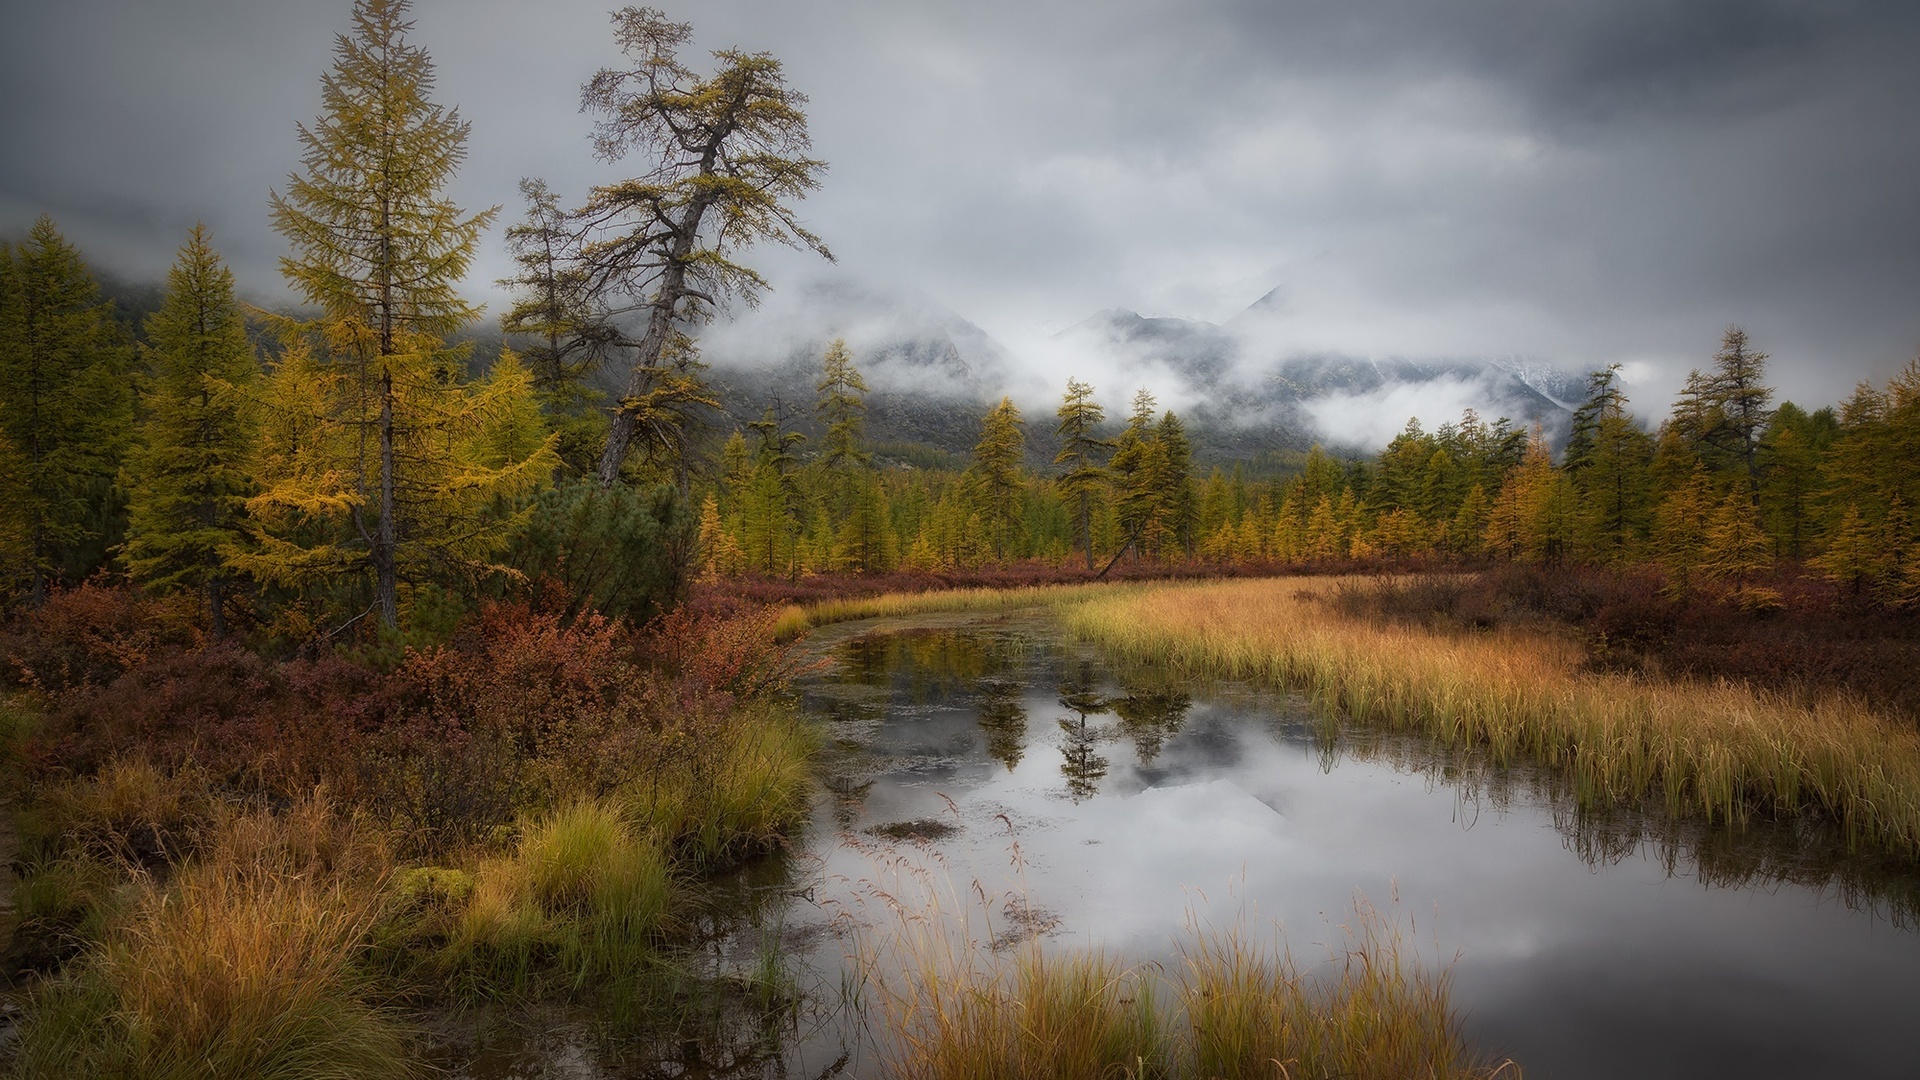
795	620
1372	1012
735	795
952	1009
1720	751
583	891
244	965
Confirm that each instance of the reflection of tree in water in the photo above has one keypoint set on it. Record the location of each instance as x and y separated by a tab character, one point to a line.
1149	715
1004	721
1802	850
936	663
1799	850
1082	767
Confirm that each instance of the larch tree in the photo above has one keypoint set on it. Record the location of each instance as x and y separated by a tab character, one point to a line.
1852	555
1680	530
189	476
842	407
66	408
773	511
1180	505
1083	476
725	159
560	329
995	478
1607	460
1723	412
379	248
1139	474
1737	548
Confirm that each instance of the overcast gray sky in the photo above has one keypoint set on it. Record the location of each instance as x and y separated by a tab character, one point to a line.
1573	181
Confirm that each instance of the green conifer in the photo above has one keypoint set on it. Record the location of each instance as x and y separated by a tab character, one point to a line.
66	408
189	476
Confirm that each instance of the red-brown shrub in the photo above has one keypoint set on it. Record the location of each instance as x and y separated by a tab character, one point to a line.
88	635
710	651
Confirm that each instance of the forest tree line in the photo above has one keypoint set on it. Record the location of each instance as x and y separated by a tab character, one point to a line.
1722	491
350	465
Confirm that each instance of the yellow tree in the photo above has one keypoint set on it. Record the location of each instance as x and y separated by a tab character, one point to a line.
1680	530
996	479
1737	548
407	451
66	407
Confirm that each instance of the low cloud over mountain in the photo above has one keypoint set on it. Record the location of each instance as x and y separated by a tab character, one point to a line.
1240	385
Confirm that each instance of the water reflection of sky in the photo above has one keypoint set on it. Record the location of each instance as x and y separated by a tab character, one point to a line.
1135	803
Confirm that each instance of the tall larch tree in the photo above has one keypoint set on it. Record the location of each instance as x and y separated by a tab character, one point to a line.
1680	530
558	326
379	248
1139	476
1180	504
1723	412
66	409
726	158
842	407
1607	460
189	476
1737	548
1083	475
995	479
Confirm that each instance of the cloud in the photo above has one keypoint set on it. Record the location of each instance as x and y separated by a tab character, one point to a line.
1575	182
1370	420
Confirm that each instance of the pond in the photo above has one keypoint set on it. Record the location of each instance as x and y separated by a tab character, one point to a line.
1115	804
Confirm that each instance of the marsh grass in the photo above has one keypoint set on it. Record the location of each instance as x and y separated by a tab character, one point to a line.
951	1006
581	896
1371	1011
1722	751
244	964
794	619
736	795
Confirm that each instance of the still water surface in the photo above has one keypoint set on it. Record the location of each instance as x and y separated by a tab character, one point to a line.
1579	947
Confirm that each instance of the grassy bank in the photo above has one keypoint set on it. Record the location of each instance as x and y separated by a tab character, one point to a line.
794	619
1722	751
234	866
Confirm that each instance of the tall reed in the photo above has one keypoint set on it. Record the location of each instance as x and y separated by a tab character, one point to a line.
737	793
1722	751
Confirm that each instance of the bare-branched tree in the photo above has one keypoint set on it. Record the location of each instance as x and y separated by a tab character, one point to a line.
727	158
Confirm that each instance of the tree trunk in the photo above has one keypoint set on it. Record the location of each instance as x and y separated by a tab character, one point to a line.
217	607
666	306
386	578
620	432
1086	528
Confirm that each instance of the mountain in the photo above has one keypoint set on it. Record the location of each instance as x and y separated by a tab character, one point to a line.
1243	395
932	374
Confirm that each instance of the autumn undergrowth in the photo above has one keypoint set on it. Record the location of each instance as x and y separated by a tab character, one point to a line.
233	866
1721	750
